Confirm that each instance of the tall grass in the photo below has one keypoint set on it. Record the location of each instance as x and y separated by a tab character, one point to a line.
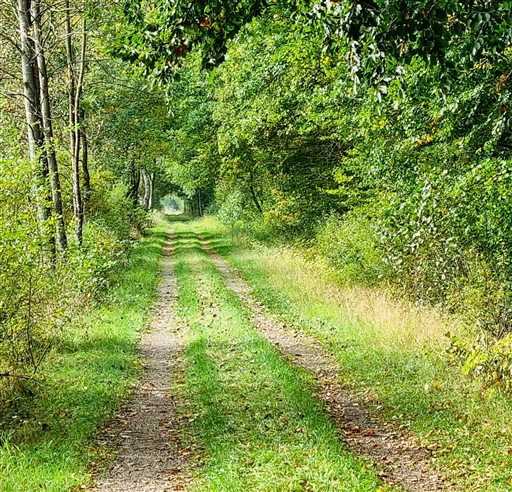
254	420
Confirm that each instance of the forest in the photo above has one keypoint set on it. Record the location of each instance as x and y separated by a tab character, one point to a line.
371	138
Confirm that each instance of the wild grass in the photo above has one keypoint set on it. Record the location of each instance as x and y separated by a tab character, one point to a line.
391	355
47	438
252	414
388	320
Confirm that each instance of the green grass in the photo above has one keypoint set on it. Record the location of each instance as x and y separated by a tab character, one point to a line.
48	438
252	414
414	385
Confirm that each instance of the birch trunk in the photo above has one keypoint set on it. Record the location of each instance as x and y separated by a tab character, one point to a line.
149	179
75	85
30	86
46	119
33	116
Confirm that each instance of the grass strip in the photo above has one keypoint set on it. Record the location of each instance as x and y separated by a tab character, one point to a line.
47	440
253	414
468	426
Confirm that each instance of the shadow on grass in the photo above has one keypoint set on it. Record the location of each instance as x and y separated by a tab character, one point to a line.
46	438
259	423
185	236
179	218
218	242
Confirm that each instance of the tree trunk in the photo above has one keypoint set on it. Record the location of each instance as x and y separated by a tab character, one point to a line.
30	86
152	192
187	206
255	198
74	94
47	124
133	189
33	116
85	160
253	193
199	204
149	179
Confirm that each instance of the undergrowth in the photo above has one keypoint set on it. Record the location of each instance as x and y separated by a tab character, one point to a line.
47	434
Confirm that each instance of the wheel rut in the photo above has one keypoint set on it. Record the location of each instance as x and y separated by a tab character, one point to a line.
402	461
145	434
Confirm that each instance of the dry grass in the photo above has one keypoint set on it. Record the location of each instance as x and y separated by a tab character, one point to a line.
387	320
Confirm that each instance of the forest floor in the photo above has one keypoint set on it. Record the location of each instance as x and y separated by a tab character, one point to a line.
233	397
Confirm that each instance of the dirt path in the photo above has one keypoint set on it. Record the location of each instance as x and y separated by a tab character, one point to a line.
148	456
146	433
404	462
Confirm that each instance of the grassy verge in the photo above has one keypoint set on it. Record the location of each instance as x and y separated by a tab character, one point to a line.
401	366
252	414
47	438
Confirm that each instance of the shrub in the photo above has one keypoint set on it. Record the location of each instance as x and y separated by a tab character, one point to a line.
39	291
351	246
30	304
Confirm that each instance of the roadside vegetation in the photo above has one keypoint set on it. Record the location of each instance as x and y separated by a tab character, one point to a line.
392	165
376	137
360	155
48	430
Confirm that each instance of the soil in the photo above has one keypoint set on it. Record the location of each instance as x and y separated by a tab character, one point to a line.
145	433
401	459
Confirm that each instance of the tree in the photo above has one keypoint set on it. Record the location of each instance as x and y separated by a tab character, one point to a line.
37	105
155	37
76	73
385	35
128	128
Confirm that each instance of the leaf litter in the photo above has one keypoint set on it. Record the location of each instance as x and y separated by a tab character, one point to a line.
146	433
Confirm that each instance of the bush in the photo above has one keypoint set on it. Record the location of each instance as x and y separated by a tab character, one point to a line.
351	246
31	306
486	358
41	291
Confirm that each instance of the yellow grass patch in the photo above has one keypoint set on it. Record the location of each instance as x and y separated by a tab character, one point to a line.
386	319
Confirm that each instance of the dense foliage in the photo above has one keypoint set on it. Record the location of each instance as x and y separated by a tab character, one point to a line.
374	133
77	178
396	170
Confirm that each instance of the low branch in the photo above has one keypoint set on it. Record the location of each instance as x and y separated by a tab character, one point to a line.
17	376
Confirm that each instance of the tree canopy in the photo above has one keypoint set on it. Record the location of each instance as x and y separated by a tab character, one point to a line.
374	133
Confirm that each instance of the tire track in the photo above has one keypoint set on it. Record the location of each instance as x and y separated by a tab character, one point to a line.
401	459
146	432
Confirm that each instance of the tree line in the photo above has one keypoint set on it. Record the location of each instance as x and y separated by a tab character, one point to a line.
80	143
375	134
